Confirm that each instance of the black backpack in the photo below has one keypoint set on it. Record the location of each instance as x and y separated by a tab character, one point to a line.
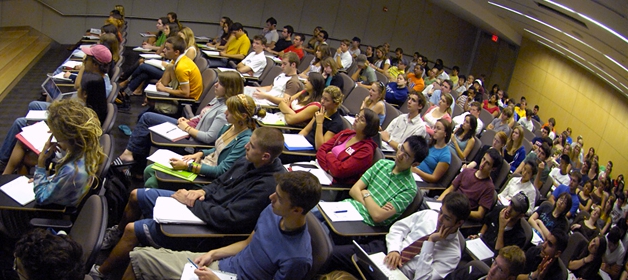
117	189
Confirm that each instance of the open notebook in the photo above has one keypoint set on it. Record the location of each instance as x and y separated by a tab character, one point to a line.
188	273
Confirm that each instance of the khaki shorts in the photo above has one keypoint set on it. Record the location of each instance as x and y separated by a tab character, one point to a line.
150	263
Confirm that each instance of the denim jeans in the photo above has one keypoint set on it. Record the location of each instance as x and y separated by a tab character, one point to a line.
143	73
139	143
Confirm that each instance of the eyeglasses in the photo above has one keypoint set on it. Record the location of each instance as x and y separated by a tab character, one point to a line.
403	152
360	118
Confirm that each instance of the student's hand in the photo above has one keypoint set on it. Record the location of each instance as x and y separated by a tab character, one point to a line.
206	259
473	236
67	74
178	164
189	197
541	165
393	260
223	53
205	273
339	50
385	136
575	226
320	116
182	120
388	207
160	87
441	234
287	99
503	221
196	157
259	94
183	126
47	152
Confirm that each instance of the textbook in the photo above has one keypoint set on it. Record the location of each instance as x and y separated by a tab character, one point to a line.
185	175
20	190
170	131
296	142
35	136
168	210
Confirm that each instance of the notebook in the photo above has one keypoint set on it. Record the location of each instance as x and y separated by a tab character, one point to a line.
170	131
168	210
152	89
188	273
478	249
377	268
20	190
35	136
36	115
296	142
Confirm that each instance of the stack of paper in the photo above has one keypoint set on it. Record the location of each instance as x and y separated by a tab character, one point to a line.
340	211
37	115
35	136
274	119
170	131
478	249
20	190
60	77
70	64
296	142
170	211
151	88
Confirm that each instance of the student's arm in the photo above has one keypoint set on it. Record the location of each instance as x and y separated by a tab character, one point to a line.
439	171
305	73
477	215
191	53
244	69
356	75
446	192
223	252
183	91
306	130
296	118
356	191
232	56
532	221
576	264
537	180
378	214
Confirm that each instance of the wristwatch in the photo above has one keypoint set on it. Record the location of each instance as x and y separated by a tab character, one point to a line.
364	196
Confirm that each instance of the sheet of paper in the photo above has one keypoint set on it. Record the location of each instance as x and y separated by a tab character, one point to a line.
274	58
150	56
71	64
94	31
503	200
78	53
188	273
140	49
36	115
20	190
323	177
340	211
416	177
387	148
434	205
479	249
274	119
350	118
60	77
36	134
212	53
163	156
168	210
147	35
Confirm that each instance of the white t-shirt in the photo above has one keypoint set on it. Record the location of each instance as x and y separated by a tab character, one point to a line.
560	178
345	59
271	36
257	62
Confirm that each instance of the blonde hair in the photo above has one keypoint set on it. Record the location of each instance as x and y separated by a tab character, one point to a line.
382	94
338	275
512	146
243	108
449	100
71	121
331	63
190	41
335	93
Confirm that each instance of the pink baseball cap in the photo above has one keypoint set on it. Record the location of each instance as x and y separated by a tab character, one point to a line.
100	52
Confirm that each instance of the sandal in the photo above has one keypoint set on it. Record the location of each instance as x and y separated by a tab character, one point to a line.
118	162
125	129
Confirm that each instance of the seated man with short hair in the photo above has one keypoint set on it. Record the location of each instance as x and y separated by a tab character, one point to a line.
474	109
255	62
571	188
542	261
477	185
406	125
502	226
278	248
506	266
182	75
436	231
286	84
522	184
230	204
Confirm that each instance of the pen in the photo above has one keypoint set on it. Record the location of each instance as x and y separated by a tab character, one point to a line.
195	266
172	130
340	211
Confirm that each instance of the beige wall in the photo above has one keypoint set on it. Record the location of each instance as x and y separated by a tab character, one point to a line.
576	98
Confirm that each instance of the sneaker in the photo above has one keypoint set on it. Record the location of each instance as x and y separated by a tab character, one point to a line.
112	236
95	273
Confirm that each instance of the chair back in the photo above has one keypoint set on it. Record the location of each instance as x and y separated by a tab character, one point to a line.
480	265
377	155
476	148
106	142
209	77
201	62
537	125
346	124
487	137
452	171
463	243
110	118
563	268
547	186
305	62
211	94
321	245
381	77
485	116
413	206
354	101
347	84
270	76
114	93
527	145
527	230
528	135
457	110
89	228
404	107
353	68
115	74
502	176
576	244
391	114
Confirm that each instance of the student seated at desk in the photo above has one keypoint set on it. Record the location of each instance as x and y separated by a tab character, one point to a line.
542	261
408	124
439	158
522	184
279	248
350	152
587	263
506	266
502	226
230	204
300	108
387	188
477	185
220	41
425	245
203	127
499	141
213	162
255	62
549	217
154	43
238	47
322	53
77	131
286	84
327	121
375	101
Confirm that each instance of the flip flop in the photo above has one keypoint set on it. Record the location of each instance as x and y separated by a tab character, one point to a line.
125	129
118	162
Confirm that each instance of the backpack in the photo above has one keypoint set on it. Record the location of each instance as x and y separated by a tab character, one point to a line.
117	191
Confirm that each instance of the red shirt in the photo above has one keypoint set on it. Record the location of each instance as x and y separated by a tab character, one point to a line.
291	48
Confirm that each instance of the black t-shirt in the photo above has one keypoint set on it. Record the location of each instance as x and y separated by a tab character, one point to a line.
333	124
533	259
282	44
545	214
514	236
